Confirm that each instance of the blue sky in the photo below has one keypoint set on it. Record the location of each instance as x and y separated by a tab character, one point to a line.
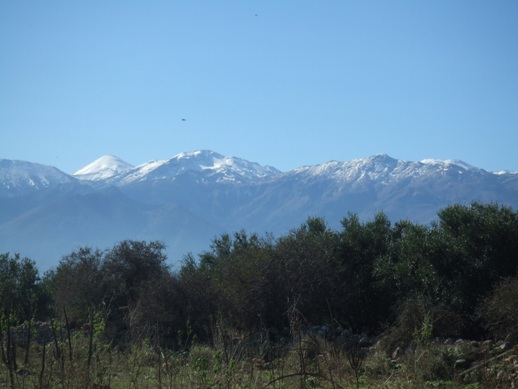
282	83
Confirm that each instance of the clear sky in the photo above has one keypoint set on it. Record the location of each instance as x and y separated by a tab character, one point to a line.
281	83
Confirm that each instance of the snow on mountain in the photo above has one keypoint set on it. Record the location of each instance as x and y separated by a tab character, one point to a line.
449	164
137	173
382	170
103	168
224	168
375	168
20	177
207	165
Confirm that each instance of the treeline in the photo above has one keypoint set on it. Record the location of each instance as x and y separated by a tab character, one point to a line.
458	274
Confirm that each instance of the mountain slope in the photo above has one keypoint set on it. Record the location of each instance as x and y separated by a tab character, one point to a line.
18	178
206	165
53	228
403	190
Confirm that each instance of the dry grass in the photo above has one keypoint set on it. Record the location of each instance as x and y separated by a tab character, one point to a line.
307	362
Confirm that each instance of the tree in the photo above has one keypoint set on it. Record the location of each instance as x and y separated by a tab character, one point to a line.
197	296
406	271
233	270
21	293
77	283
300	273
365	306
130	263
128	269
114	283
476	248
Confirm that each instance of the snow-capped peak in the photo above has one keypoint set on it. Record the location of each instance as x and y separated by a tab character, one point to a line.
105	167
19	176
208	165
220	168
381	170
196	159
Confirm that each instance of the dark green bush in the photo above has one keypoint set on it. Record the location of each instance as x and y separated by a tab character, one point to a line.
499	311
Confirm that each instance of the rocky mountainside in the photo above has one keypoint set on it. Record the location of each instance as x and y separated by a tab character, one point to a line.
193	197
18	178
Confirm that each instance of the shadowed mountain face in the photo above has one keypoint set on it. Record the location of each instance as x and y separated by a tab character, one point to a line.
190	199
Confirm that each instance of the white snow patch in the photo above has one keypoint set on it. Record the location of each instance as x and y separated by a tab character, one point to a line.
447	163
102	168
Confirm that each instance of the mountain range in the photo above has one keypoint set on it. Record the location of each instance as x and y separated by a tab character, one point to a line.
193	197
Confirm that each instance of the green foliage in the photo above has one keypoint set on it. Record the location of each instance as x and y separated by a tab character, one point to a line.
407	270
302	271
128	285
236	277
423	335
77	283
365	305
22	295
128	265
453	263
477	246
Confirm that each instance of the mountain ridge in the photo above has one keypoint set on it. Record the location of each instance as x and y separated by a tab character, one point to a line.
19	177
189	199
